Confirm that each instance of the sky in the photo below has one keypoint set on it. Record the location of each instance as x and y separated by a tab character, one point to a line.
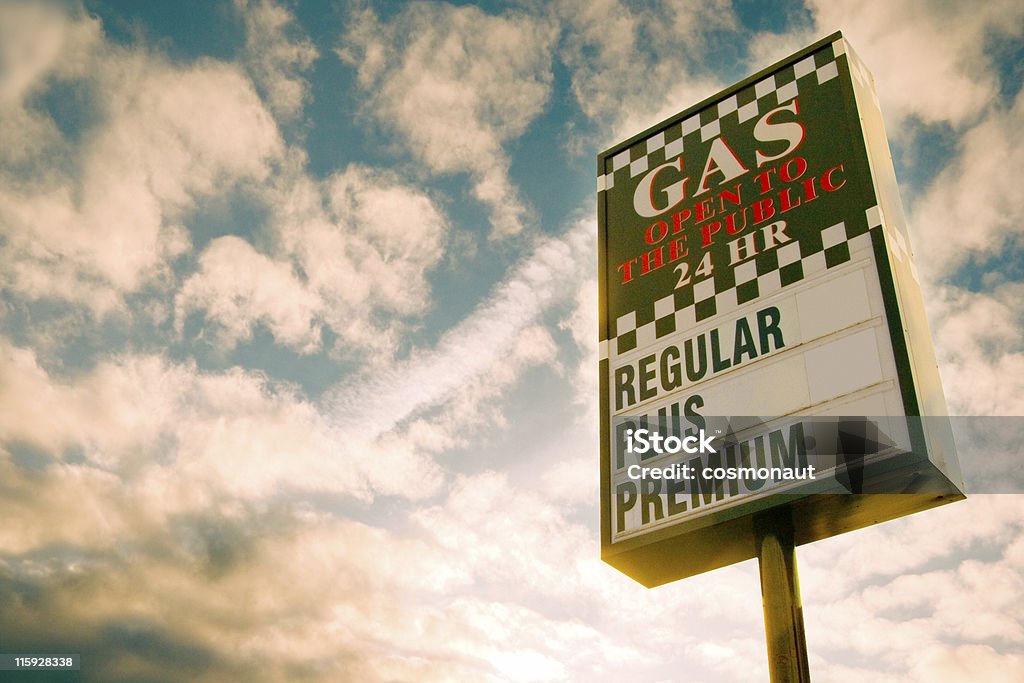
298	339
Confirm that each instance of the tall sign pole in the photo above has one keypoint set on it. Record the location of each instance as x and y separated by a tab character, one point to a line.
767	374
780	596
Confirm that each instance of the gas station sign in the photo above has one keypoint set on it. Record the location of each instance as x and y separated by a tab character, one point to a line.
760	309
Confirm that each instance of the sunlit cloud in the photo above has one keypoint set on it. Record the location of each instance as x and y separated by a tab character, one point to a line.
277	53
462	85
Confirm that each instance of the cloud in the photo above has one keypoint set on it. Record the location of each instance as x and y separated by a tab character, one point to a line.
224	575
921	52
237	287
371	248
277	52
39	41
972	211
520	547
979	348
93	210
980	662
470	417
303	595
93	214
183	439
632	67
269	614
350	253
957	531
467	351
914	579
582	324
463	85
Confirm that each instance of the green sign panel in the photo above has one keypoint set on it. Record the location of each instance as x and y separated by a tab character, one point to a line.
754	262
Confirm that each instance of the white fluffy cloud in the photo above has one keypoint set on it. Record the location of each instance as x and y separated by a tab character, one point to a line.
929	56
91	219
462	85
980	350
914	580
582	324
350	253
238	287
277	53
633	66
183	439
102	214
973	209
39	41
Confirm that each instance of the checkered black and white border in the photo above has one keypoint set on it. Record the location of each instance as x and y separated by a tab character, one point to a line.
861	74
747	105
753	280
899	247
